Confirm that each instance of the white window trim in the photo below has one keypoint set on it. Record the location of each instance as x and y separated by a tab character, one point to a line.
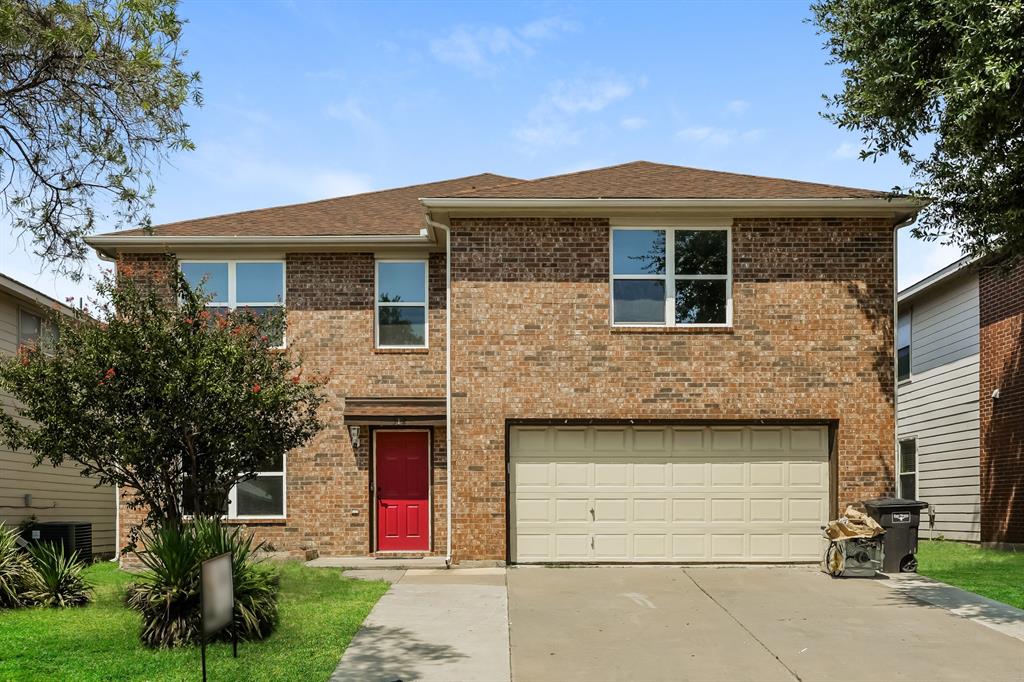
377	305
232	300
899	466
670	277
283	475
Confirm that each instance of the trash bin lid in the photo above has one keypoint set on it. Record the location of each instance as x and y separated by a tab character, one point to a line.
895	503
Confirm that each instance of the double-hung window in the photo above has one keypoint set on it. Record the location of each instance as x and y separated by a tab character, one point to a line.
401	304
258	286
30	328
908	469
674	277
903	346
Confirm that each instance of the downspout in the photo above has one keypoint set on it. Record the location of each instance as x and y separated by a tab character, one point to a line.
447	380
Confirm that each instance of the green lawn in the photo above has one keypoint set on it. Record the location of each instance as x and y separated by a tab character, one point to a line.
991	573
320	613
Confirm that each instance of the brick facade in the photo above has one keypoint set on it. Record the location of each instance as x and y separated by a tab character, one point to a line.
811	339
1001	299
329	298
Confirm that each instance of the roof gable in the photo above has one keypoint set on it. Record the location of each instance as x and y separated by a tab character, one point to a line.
385	212
646	180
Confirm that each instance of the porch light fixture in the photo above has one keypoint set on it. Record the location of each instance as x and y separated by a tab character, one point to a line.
353	431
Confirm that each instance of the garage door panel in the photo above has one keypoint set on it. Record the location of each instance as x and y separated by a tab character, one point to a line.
689	494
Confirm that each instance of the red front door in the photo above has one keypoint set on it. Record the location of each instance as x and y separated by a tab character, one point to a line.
403	491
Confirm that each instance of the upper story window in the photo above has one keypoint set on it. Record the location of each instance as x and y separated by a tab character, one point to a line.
256	285
903	346
401	304
671	277
30	327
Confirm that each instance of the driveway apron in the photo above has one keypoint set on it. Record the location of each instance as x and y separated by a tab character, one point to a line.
739	623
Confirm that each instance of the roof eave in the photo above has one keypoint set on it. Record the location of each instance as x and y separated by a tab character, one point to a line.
939	276
110	244
903	208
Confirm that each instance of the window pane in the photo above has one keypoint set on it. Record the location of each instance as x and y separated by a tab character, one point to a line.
216	274
702	252
639	300
260	496
908	456
908	486
29	327
638	252
401	326
401	282
259	282
903	363
273	324
903	331
700	301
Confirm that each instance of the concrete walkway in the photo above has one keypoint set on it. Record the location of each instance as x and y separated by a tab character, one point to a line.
988	612
433	625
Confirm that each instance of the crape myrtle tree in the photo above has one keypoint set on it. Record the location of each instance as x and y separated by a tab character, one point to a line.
940	84
177	403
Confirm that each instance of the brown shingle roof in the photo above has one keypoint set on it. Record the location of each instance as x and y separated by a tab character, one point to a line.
646	180
390	211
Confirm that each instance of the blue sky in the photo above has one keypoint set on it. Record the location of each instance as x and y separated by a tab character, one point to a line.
311	100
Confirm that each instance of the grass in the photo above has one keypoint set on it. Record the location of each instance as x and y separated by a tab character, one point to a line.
320	613
991	573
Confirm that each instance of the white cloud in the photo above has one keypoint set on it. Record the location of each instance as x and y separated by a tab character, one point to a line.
549	27
555	120
847	150
477	48
352	112
633	123
718	137
737	107
583	95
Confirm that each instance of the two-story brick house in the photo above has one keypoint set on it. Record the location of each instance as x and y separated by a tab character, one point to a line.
636	363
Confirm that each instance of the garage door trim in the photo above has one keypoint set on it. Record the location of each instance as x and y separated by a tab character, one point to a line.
831	424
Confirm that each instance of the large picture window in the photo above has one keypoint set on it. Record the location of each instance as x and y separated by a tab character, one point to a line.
256	285
401	304
671	277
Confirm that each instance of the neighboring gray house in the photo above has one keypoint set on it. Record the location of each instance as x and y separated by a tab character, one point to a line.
51	494
937	416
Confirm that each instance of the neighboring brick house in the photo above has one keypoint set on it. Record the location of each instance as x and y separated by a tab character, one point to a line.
647	362
960	415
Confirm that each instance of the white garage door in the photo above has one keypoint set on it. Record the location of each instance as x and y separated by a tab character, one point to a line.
635	494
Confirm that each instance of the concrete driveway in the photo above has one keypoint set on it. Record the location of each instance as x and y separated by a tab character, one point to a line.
739	623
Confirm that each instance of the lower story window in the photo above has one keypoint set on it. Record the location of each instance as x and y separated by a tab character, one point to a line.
908	469
262	495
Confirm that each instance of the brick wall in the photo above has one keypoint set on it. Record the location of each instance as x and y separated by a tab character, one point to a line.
812	339
1001	297
329	299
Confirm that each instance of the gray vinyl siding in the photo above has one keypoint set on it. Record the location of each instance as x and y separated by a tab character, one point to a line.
62	491
938	405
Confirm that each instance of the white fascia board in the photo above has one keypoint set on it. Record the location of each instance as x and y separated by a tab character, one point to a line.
901	205
935	278
111	243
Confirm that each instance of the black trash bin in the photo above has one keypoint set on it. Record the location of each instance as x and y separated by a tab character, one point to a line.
900	519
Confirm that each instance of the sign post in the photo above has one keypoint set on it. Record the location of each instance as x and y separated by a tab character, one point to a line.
217	602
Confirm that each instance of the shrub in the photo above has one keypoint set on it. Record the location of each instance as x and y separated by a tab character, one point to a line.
167	595
13	569
54	579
